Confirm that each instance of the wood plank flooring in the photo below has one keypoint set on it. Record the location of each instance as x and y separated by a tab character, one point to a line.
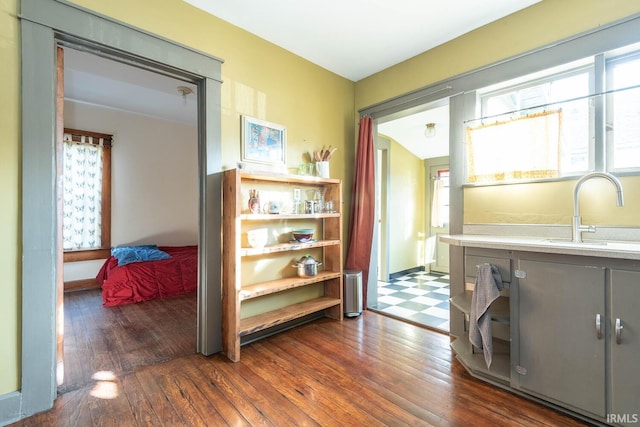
118	339
369	371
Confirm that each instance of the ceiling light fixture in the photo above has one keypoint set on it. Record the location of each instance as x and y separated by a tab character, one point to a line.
430	130
184	90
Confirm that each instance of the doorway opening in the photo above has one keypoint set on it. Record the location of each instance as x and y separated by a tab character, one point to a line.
44	26
155	127
412	196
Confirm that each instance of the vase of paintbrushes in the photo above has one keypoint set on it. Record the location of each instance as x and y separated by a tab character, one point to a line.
321	159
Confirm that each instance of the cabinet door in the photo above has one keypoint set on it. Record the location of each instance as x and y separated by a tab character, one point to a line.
625	375
561	357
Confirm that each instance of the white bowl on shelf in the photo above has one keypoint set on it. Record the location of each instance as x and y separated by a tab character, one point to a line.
258	238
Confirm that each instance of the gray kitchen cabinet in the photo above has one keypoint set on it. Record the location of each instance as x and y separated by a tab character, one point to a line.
557	354
561	348
625	346
470	357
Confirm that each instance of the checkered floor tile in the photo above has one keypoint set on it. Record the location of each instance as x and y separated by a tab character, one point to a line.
419	297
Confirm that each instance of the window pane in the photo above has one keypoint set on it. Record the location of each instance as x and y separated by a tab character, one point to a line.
624	118
82	196
553	93
443	200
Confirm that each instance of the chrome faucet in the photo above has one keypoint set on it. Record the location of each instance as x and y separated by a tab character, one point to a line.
577	227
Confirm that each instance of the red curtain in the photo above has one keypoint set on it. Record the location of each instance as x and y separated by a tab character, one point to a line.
362	218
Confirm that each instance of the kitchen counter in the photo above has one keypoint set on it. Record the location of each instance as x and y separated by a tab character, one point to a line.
608	249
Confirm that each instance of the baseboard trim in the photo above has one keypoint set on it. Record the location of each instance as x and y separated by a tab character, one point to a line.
405	272
79	285
10	408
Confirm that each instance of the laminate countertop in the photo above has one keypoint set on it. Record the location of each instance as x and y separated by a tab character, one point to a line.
604	249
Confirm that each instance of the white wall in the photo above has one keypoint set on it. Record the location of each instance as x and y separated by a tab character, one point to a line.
154	179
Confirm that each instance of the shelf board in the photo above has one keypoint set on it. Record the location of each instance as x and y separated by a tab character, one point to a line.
269	319
286	178
499	308
271	287
284	247
270	217
474	362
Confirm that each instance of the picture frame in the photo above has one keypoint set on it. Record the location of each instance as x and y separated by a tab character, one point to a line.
263	142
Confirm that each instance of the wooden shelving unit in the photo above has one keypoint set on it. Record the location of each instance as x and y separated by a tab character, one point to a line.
286	247
278	279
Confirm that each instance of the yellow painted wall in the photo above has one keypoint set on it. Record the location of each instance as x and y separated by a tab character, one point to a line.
539	25
9	198
260	80
406	209
552	203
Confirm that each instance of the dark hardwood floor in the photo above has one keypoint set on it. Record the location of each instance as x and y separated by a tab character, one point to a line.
119	339
136	366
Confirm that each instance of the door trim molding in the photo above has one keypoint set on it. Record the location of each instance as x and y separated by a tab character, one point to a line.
44	24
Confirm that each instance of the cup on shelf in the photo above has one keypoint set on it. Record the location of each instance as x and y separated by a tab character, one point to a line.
310	206
272	207
305	169
328	206
323	169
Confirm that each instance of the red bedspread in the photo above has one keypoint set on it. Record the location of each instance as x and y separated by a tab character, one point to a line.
143	281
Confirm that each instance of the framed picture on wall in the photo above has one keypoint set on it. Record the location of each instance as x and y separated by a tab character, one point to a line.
263	142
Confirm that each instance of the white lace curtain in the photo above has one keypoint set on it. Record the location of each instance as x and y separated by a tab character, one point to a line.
82	193
527	147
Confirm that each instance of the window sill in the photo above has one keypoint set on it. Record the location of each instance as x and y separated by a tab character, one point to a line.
86	255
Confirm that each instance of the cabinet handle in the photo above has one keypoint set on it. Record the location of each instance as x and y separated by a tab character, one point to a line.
618	331
598	327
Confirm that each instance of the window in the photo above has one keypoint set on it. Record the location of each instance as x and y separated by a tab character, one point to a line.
86	201
623	113
511	143
522	148
440	203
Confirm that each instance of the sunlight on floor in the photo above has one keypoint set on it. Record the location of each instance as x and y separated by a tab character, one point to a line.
105	387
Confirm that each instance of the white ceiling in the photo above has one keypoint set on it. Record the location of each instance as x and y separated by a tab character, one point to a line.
409	132
94	80
354	39
357	38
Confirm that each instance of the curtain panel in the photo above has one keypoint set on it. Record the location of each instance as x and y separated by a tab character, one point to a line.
526	147
362	215
81	224
82	205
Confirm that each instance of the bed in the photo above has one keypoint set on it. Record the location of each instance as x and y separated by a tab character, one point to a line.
140	280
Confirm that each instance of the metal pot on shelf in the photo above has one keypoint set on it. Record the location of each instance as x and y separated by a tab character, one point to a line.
307	266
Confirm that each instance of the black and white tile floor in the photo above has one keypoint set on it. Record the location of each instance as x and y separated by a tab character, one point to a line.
421	298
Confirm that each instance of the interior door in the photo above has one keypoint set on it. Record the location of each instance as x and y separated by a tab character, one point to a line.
439	217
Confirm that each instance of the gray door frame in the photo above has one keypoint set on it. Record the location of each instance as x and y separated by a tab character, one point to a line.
383	180
44	24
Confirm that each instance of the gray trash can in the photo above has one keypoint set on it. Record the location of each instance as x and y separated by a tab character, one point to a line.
352	293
